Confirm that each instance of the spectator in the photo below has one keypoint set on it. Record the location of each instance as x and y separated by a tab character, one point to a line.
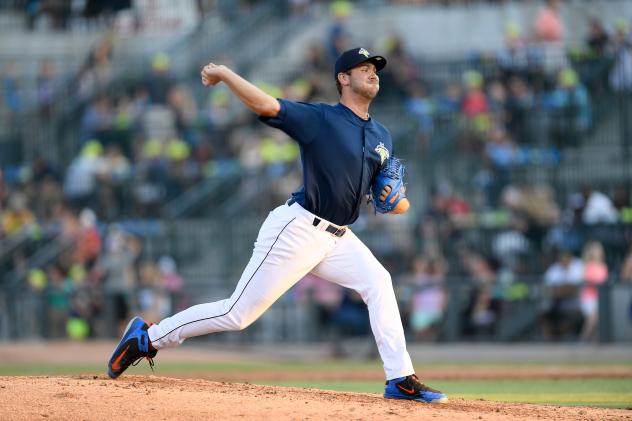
562	318
116	269
116	173
548	23
88	242
96	72
172	281
626	275
483	308
595	274
621	198
338	36
97	119
181	102
428	299
514	59
497	95
620	77
520	104
47	85
626	267
58	294
351	318
421	106
401	72
500	150
474	100
323	298
550	32
316	70
475	106
154	301
17	216
12	91
570	107
598	208
621	72
81	178
449	102
499	156
597	40
159	82
49	195
594	60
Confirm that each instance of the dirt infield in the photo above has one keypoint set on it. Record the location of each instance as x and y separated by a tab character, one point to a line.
150	397
226	394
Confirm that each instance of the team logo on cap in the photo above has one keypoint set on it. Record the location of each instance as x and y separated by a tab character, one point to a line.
364	52
382	152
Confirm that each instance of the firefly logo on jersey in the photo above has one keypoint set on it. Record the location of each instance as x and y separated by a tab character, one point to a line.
382	152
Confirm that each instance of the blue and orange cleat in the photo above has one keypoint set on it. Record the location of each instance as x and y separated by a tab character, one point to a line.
410	388
133	347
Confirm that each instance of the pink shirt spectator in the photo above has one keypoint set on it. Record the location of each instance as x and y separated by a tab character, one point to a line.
548	25
475	103
595	273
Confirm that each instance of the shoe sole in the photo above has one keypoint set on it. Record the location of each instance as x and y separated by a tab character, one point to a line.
440	401
127	328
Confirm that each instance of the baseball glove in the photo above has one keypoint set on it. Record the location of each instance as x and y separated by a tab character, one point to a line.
392	175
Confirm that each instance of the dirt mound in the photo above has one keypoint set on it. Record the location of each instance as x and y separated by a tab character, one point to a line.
99	398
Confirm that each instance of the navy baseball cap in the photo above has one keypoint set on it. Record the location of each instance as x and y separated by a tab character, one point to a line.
351	58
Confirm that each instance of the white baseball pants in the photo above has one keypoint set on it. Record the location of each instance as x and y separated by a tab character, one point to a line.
288	247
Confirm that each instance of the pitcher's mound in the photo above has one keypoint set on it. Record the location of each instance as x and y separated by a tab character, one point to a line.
149	397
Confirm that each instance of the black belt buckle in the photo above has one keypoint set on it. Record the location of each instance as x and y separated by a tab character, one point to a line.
338	232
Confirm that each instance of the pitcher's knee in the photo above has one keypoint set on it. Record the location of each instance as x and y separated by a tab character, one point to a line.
381	278
378	282
238	322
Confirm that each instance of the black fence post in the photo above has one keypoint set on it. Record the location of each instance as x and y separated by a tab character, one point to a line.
453	314
605	313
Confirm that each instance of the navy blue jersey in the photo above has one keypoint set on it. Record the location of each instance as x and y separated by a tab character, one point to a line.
340	152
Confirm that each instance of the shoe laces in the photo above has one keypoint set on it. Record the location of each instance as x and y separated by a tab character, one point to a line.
150	359
418	385
148	355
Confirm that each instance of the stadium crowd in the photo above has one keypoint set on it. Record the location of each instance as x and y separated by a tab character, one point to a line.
144	143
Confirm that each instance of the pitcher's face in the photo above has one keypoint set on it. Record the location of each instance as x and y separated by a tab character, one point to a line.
364	80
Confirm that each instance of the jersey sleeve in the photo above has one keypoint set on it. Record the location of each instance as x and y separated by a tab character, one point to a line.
299	120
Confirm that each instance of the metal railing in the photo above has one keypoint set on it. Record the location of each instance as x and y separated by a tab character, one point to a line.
27	314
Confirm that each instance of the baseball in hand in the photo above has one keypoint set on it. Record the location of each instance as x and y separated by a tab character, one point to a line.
401	207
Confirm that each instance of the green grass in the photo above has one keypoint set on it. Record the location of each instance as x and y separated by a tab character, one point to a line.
611	393
320	366
602	392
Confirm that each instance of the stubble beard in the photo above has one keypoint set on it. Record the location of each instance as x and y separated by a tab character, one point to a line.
364	91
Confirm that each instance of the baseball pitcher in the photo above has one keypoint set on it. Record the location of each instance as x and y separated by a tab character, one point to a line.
345	155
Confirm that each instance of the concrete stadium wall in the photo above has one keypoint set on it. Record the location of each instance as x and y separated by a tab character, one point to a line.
440	32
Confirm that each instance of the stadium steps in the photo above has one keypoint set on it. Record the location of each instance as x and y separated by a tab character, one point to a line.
40	259
599	160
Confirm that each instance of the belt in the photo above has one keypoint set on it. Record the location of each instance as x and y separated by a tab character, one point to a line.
332	229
